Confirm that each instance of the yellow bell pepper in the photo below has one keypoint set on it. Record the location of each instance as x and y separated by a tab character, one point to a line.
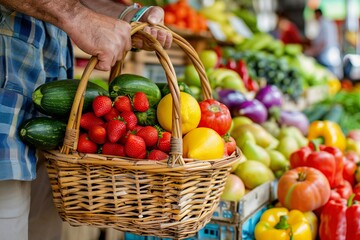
334	85
329	131
282	224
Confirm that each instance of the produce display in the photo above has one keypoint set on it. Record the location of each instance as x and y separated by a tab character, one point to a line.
311	154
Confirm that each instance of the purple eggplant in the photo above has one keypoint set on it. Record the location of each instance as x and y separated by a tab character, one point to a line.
270	96
230	97
296	119
252	109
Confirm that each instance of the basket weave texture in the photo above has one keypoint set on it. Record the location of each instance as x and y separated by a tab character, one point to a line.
172	198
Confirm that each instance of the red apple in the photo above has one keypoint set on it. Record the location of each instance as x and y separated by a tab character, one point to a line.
234	189
354	134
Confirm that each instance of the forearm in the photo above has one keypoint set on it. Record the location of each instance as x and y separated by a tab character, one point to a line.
59	13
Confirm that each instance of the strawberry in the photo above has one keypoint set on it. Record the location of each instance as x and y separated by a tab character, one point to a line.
115	128
85	145
135	147
157	154
122	103
113	149
149	134
137	128
124	138
114	113
140	102
97	134
130	119
89	119
101	105
164	142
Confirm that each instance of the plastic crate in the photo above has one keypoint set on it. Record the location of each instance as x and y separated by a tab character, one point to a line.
218	231
131	236
226	211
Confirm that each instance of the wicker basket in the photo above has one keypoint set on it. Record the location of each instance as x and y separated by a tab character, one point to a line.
173	198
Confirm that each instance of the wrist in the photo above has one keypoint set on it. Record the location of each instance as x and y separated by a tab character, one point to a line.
129	10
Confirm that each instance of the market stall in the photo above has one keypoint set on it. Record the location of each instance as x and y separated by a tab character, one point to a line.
230	134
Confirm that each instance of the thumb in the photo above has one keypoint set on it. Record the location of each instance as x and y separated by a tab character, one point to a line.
154	16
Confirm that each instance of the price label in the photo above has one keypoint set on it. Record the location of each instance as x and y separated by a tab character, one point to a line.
216	31
240	27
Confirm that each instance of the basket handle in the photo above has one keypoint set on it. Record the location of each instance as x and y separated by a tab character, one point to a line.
73	126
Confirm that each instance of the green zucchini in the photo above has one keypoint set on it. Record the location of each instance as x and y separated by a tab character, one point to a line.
316	112
42	133
334	114
129	84
56	98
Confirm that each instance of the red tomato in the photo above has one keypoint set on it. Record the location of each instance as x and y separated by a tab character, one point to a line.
230	144
215	115
303	188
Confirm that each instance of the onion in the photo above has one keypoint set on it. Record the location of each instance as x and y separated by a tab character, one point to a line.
296	119
252	109
270	96
230	97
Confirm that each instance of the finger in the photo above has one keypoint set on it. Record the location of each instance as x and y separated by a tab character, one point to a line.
160	35
154	15
168	41
103	65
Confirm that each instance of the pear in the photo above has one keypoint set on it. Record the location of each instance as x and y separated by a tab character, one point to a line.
262	137
242	138
254	173
277	160
255	152
295	133
287	146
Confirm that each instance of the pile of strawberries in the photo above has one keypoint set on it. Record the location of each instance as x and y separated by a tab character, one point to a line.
112	128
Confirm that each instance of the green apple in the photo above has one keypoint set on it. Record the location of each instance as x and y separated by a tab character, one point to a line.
231	82
209	58
254	173
191	76
234	189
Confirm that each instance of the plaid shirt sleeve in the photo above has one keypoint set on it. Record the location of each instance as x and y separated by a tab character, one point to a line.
31	53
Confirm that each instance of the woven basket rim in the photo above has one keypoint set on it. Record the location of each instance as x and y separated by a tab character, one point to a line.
142	164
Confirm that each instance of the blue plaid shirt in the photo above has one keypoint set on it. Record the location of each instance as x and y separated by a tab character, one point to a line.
32	52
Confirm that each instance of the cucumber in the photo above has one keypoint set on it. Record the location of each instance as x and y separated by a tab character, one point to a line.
147	118
42	133
316	112
129	84
56	98
334	114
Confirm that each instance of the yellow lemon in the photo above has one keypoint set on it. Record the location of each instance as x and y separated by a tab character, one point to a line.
203	144
190	112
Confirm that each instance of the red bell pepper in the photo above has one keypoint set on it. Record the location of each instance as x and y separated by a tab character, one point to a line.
340	219
344	190
242	70
328	160
349	170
